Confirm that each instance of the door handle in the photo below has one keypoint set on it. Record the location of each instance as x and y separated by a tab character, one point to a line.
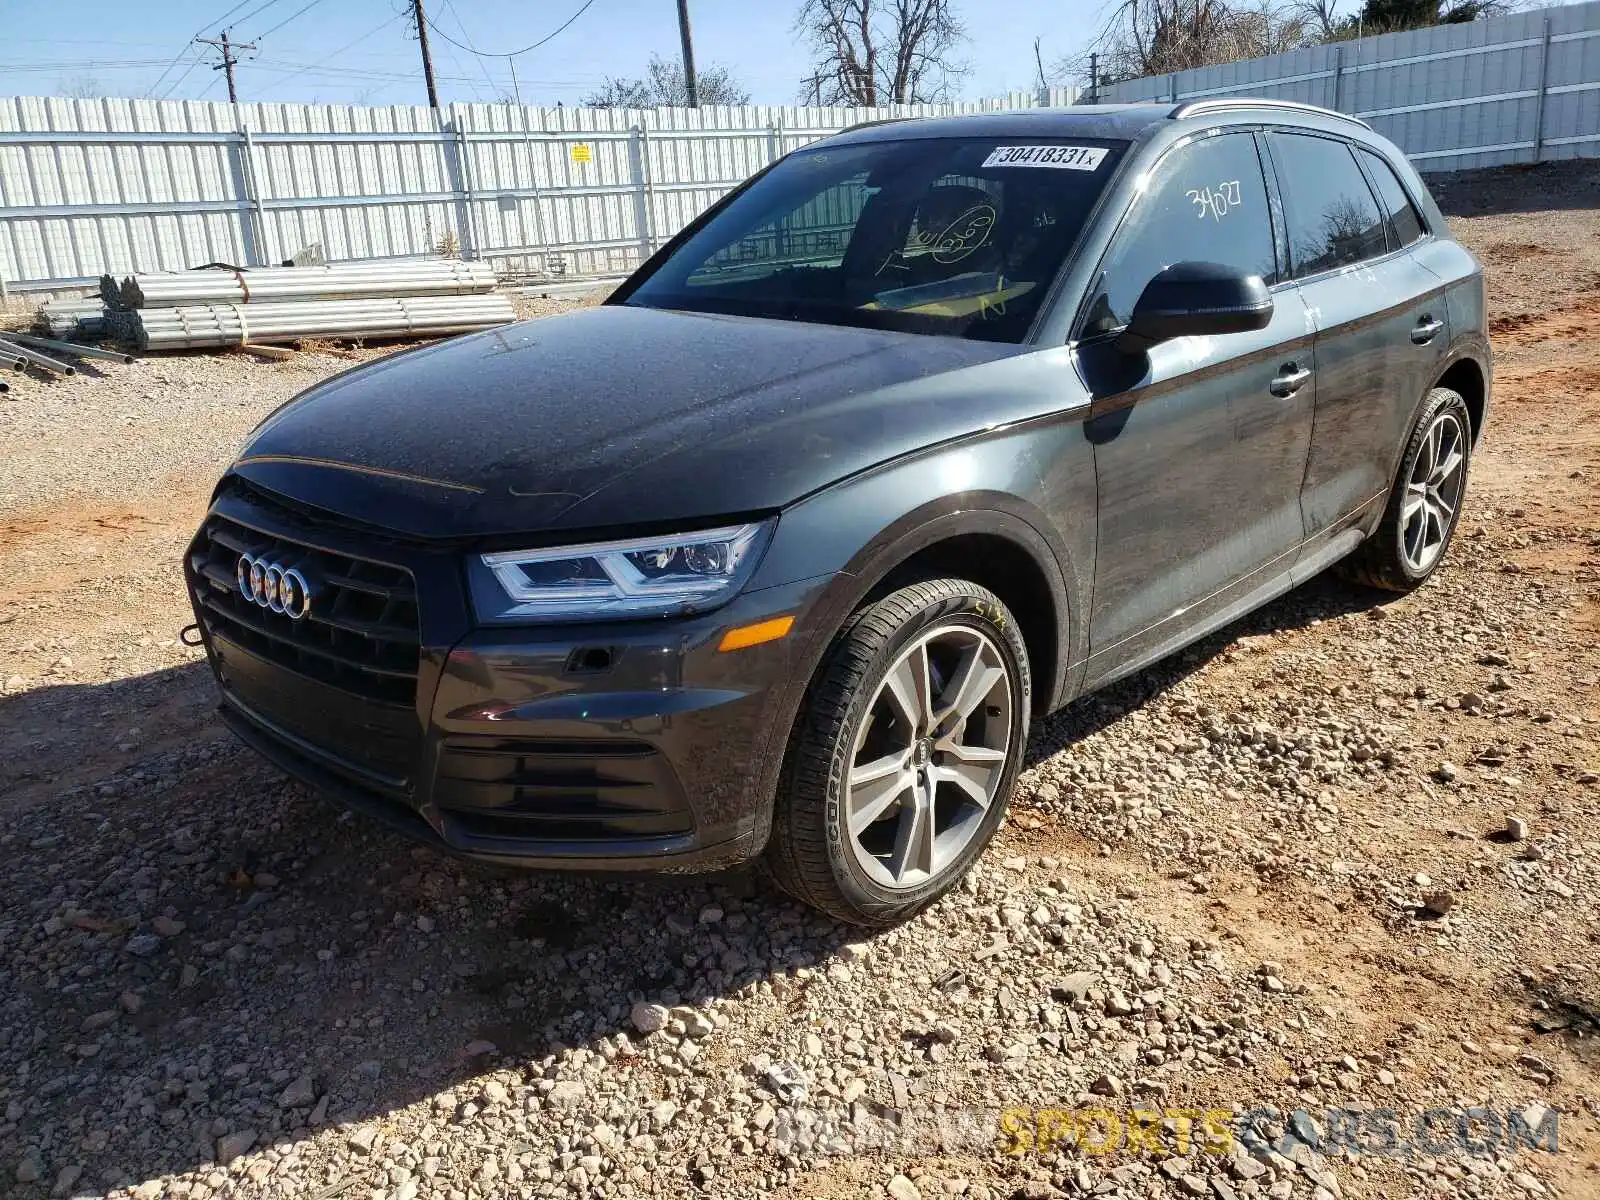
1289	380
1425	330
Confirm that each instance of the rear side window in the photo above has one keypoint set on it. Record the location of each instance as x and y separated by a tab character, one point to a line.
1333	219
1208	202
1405	226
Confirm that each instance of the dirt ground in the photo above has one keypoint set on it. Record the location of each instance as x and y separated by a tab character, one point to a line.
1287	792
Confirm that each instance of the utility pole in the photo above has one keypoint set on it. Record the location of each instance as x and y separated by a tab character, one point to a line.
427	58
688	53
228	60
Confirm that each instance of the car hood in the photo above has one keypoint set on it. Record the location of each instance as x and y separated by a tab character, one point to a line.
612	417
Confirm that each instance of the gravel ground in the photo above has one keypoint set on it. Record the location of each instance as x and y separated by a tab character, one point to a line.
1341	856
170	421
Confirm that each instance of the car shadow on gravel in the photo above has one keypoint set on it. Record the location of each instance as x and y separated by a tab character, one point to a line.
199	950
60	735
1321	599
188	939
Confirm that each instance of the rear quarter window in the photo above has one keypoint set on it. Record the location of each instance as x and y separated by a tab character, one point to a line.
1405	226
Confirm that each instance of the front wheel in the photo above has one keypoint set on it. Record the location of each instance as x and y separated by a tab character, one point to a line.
904	753
1425	502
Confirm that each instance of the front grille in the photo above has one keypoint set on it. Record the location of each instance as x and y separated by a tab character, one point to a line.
558	790
362	633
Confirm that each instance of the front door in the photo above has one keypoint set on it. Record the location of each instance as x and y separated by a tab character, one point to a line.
1200	445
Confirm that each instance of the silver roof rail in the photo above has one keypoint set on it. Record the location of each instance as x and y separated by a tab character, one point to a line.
880	121
1195	108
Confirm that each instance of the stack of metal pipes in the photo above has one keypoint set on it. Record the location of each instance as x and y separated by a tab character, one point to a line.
64	318
227	307
22	351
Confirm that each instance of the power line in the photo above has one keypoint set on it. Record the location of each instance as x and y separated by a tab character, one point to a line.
278	65
352	45
476	57
260	8
469	80
298	13
85	64
399	76
187	71
83	42
512	54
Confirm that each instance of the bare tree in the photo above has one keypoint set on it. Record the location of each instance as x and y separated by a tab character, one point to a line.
1266	28
1158	37
664	86
83	87
1324	16
870	52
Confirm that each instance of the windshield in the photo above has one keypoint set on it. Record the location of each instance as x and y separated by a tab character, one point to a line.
953	236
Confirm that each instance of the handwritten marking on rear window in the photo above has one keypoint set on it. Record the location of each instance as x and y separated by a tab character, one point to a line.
1215	202
1061	158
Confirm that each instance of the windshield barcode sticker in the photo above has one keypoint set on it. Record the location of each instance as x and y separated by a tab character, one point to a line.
1062	158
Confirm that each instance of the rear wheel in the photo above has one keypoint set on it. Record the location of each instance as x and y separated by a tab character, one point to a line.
1425	502
904	754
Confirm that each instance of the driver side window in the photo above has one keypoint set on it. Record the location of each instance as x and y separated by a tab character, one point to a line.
1208	203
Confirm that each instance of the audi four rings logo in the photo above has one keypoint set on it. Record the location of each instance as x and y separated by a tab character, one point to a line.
273	586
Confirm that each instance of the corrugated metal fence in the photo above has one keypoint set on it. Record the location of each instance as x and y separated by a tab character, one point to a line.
95	186
1523	88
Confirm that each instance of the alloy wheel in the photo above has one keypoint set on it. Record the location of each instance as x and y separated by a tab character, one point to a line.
1433	492
929	756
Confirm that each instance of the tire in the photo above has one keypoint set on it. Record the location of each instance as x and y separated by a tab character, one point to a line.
854	716
1392	558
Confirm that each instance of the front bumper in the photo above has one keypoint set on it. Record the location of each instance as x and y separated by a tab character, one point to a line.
610	746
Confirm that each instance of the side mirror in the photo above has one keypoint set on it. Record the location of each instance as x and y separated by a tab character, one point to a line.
1192	299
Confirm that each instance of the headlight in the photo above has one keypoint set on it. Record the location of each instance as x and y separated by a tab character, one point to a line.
641	577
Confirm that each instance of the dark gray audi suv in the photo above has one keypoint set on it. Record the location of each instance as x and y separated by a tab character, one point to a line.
927	429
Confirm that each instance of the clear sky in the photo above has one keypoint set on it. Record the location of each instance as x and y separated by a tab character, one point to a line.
361	51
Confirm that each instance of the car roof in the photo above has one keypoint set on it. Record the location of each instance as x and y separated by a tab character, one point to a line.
1113	121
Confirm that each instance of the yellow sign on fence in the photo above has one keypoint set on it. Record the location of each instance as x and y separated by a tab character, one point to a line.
582	152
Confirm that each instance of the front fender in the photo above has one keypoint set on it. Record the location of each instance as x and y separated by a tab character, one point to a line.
1005	485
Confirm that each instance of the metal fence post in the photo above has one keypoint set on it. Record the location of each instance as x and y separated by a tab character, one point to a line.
1338	77
470	241
772	143
639	152
1544	90
255	248
533	182
1172	83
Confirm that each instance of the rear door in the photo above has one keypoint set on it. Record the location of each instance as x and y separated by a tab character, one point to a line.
1200	445
1381	323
